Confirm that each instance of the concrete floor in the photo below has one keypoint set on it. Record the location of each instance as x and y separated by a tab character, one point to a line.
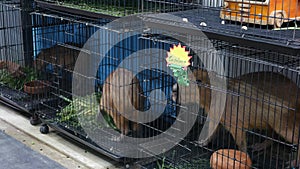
52	145
15	155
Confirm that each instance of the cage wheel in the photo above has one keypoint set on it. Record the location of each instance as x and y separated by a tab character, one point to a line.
34	121
44	129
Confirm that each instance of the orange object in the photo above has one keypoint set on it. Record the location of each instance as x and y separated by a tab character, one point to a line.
262	12
36	87
230	159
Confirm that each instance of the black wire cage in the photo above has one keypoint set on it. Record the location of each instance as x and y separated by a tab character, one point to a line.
17	73
108	82
249	96
111	88
258	104
64	49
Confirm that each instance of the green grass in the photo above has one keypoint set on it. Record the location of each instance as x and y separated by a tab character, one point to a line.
117	10
83	112
17	82
194	163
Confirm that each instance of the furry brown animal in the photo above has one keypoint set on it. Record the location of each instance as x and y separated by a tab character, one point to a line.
57	55
260	100
122	94
59	61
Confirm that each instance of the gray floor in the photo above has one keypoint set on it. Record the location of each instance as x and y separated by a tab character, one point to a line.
15	155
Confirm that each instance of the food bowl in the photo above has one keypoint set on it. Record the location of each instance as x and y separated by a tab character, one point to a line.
230	159
36	87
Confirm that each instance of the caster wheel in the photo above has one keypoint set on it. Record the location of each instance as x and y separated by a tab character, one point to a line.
44	129
34	121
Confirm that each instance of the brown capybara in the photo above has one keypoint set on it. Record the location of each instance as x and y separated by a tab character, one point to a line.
57	55
122	94
58	61
260	100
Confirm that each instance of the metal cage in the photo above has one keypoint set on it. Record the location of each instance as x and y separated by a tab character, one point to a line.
87	65
260	105
17	72
103	78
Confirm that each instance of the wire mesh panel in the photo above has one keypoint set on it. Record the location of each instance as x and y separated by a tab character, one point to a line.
256	107
58	43
260	95
112	88
121	8
16	61
272	22
278	16
71	106
268	21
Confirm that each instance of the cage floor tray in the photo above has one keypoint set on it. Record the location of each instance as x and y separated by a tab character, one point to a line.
19	100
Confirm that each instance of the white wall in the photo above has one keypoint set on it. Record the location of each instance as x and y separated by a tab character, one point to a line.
11	37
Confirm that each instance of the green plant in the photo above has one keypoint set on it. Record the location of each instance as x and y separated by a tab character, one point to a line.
83	111
110	8
17	83
163	164
193	163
